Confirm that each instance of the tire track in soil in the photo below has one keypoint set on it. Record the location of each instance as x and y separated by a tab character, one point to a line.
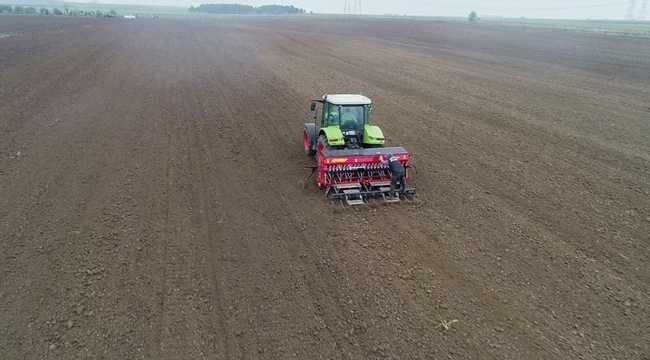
187	302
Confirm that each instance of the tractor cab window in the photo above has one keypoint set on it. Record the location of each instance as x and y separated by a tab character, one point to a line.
353	117
331	115
345	116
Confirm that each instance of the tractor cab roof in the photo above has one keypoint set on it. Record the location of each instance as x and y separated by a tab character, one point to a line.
347	99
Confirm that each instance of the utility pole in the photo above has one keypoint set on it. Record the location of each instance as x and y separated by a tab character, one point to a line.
348	9
631	10
357	7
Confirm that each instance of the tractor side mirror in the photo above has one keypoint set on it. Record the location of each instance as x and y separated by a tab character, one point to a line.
370	109
313	106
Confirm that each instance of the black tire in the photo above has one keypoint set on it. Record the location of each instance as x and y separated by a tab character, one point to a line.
308	144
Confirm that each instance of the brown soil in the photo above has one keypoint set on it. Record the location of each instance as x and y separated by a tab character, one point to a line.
150	207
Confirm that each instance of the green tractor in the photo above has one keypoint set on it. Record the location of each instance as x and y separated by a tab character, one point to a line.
344	124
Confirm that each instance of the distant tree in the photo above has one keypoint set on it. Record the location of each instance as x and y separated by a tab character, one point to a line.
6	9
98	14
19	9
113	12
30	10
57	11
472	17
279	9
44	11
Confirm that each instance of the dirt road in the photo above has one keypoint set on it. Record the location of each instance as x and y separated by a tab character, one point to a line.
150	208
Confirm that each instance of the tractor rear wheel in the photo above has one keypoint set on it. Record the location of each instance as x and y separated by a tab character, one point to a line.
308	144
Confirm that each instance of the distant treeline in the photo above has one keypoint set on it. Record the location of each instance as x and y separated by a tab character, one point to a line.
246	9
29	10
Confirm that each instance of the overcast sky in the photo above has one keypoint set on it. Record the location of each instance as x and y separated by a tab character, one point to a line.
568	9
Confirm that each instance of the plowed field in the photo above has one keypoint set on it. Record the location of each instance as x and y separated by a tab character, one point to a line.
150	207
